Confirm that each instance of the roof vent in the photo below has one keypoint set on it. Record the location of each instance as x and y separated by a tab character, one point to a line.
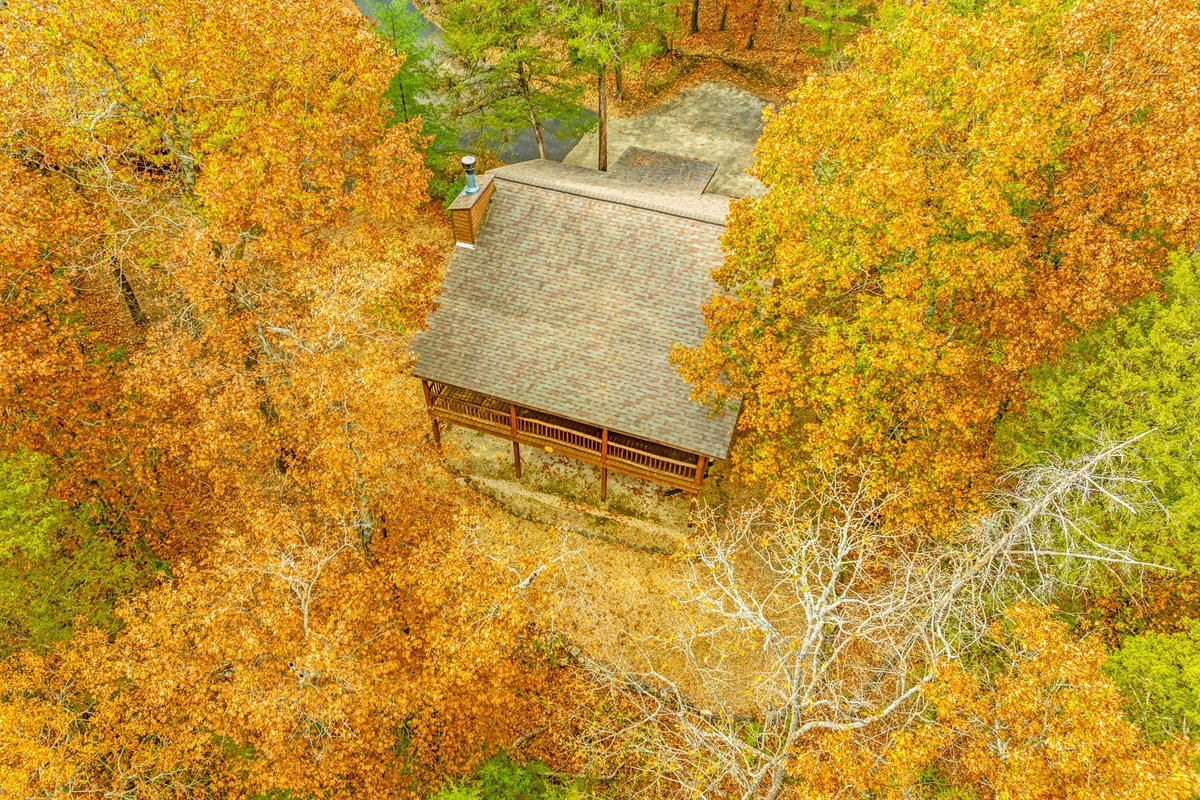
467	210
468	163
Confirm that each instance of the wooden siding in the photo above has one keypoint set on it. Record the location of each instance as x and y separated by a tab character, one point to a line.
466	212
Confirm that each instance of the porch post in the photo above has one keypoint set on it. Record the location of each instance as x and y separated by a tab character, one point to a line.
701	462
604	466
512	418
437	432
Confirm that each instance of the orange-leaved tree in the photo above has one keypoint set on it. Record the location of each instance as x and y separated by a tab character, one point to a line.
182	137
259	117
329	630
56	381
971	194
289	663
1053	726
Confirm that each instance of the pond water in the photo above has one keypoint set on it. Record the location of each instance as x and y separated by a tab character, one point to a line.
519	147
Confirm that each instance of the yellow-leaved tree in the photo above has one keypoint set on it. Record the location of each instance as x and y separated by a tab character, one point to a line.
970	194
1047	725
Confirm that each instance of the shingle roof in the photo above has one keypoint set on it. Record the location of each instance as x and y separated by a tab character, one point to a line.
576	289
662	170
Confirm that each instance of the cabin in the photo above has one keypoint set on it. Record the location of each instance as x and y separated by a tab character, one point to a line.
566	291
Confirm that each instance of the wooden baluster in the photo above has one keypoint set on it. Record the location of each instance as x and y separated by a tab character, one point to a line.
604	466
512	416
437	433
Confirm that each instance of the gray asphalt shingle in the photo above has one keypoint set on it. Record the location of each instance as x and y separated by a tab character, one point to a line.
578	285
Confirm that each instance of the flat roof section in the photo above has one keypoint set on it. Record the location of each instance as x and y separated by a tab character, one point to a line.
662	170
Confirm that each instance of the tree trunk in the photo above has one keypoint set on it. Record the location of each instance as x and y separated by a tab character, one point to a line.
779	32
602	110
602	139
724	16
537	132
695	27
127	294
754	25
527	96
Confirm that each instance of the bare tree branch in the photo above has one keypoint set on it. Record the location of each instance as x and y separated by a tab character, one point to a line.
845	619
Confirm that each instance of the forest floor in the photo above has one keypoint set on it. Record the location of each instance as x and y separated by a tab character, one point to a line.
612	575
761	51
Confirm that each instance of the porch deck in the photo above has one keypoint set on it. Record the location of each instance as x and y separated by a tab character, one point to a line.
652	461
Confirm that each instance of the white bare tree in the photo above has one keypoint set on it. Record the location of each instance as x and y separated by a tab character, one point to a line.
843	618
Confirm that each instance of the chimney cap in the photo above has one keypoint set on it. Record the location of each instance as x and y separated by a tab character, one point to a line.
468	162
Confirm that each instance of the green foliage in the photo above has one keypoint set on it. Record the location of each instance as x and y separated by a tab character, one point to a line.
500	778
607	33
416	93
835	22
29	516
449	184
279	794
1160	674
506	73
932	785
1137	374
57	571
459	792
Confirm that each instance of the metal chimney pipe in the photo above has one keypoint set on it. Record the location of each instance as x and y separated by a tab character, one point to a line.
468	163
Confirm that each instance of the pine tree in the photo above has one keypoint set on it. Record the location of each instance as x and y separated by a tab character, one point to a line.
505	73
617	35
835	22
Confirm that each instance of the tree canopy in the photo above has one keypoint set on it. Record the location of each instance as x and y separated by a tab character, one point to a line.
233	563
326	613
511	74
1136	375
977	191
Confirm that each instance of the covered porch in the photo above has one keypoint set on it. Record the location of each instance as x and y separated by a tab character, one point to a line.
609	450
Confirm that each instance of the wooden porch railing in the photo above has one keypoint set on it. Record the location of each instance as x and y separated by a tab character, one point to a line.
628	455
523	426
538	429
481	414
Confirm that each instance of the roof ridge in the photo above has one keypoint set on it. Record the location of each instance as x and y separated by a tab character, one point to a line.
613	196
